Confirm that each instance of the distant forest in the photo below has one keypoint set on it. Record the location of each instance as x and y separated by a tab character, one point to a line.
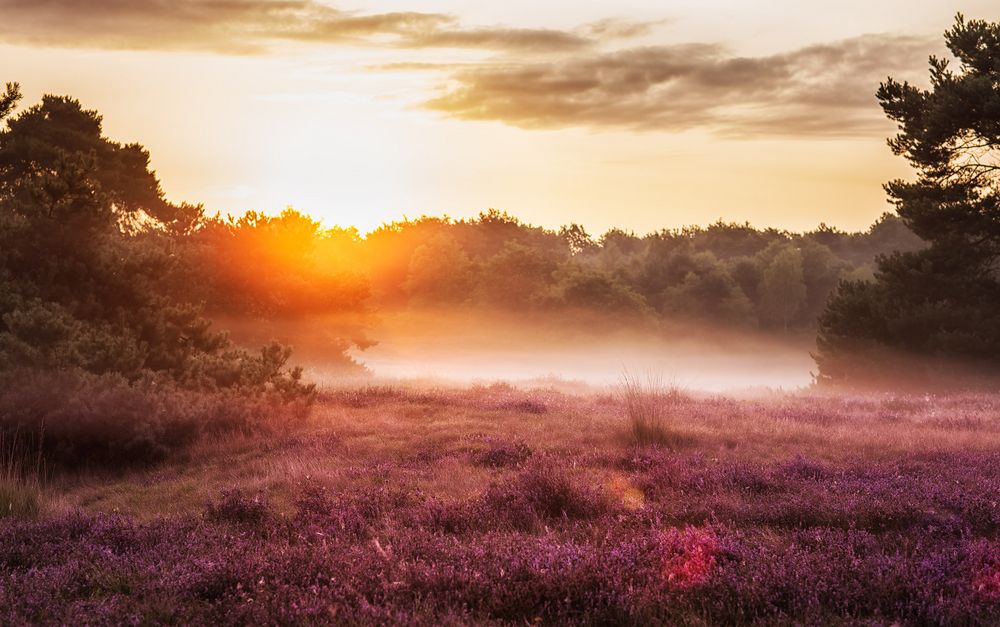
722	274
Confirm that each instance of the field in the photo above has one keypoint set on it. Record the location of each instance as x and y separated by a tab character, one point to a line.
499	504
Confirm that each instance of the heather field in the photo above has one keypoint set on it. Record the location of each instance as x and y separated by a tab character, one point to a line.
417	504
499	313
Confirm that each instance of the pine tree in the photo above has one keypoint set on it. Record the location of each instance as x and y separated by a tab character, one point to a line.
940	304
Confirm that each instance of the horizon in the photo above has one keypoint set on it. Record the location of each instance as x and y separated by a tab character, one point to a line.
360	115
326	227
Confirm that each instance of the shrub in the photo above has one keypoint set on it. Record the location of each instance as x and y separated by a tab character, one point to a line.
523	406
688	557
236	507
801	468
502	455
77	419
543	492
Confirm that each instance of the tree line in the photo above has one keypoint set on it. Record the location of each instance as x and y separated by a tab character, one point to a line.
722	274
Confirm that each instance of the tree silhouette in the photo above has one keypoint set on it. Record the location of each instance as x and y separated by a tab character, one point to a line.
941	302
41	138
86	239
9	99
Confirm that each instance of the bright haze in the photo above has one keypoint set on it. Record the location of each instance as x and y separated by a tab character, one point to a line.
635	114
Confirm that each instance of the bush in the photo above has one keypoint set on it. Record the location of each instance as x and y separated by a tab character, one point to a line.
502	455
236	507
542	493
79	419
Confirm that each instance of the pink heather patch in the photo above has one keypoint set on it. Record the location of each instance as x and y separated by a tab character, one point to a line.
988	584
688	556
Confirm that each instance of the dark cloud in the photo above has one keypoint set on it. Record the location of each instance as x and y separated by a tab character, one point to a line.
498	39
148	24
818	90
249	26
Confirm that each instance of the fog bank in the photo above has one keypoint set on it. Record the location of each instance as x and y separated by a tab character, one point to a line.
473	347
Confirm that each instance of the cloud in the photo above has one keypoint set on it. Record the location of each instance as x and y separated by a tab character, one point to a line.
617	28
818	90
581	81
498	39
251	26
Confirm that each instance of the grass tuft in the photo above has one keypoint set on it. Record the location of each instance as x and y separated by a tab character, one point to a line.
20	483
649	406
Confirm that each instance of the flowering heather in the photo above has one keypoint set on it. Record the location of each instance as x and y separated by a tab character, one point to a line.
987	580
391	564
499	454
466	513
236	507
988	584
688	556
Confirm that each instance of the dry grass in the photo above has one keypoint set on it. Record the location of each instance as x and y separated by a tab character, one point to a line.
650	406
431	438
20	481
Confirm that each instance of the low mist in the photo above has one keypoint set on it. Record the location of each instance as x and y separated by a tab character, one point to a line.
472	346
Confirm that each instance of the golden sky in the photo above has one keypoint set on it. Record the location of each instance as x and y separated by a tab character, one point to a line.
640	114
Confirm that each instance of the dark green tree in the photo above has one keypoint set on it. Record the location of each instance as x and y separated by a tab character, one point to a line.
86	239
584	289
821	273
40	139
708	294
517	277
9	99
782	290
940	303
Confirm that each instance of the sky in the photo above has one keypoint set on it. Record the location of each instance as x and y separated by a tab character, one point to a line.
637	114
